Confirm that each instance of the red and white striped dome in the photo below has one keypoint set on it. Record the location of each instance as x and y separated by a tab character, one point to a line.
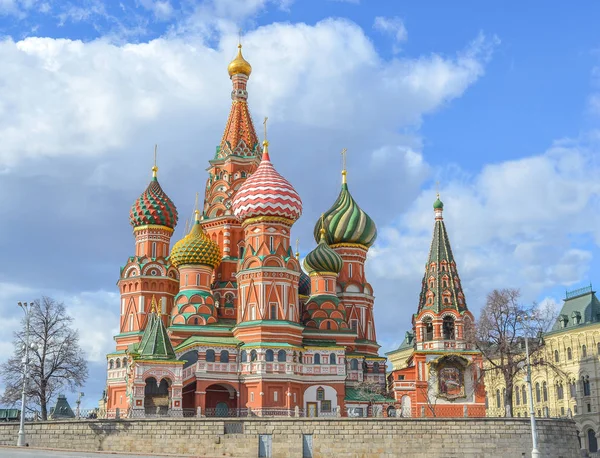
266	193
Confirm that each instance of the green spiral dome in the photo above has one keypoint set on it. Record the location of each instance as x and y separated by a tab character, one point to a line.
323	258
346	222
196	248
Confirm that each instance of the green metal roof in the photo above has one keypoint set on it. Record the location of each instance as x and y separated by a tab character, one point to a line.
408	342
155	343
580	307
270	344
357	395
207	340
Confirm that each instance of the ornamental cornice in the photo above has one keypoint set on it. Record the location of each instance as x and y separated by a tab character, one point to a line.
153	226
244	275
267	219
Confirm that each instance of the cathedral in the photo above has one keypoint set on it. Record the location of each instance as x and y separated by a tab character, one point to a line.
228	321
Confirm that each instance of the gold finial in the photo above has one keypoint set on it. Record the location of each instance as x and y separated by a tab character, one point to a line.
153	305
322	231
437	189
297	250
265	142
344	165
196	211
154	167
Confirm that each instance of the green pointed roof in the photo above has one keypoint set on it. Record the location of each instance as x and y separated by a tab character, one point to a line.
323	258
346	222
155	343
441	268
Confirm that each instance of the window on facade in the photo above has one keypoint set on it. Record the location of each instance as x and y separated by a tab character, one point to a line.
269	356
131	322
251	397
111	364
350	269
252	313
317	358
569	354
428	329
354	325
328	325
556	358
153	249
271	244
538	394
573	389
244	356
562	411
583	351
599	348
118	364
300	358
431	283
332	359
224	356
196	320
320	394
504	396
498	403
448	327
518	396
325	406
487	403
275	396
444	283
281	356
124	362
545	391
376	368
524	395
273	311
560	392
586	385
253	355
354	364
210	356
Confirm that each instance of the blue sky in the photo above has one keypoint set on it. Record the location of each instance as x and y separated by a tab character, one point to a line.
500	103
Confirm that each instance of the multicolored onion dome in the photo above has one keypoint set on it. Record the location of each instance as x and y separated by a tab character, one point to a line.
266	193
153	207
304	284
323	259
196	248
239	64
346	222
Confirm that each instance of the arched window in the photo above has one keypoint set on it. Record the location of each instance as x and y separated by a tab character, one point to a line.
244	356
271	244
196	320
111	364
586	385
545	391
556	358
281	356
524	395
592	441
332	358
498	399
124	362
210	356
350	269
253	355
569	354
269	356
300	358
354	364
224	356
189	357
428	329
317	359
573	389
448	327
130	322
154	249
320	394
560	392
118	364
583	351
538	394
518	396
376	368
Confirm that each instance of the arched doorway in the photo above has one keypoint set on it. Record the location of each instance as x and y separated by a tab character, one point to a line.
592	441
188	396
405	408
156	396
221	399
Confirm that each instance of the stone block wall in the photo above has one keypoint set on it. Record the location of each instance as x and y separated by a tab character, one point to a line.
342	437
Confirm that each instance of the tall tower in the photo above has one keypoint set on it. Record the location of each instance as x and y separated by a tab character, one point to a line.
443	375
351	232
236	158
148	273
196	257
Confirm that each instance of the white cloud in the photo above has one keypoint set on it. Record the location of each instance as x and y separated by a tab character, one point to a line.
393	26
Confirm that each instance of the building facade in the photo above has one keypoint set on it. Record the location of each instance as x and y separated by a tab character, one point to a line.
565	372
226	320
436	370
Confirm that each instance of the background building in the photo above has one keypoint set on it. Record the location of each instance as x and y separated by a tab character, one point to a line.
565	372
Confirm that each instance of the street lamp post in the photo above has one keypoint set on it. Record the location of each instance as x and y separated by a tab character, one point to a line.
27	309
534	439
78	402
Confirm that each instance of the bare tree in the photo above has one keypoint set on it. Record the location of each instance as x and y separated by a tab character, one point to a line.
371	391
58	362
499	335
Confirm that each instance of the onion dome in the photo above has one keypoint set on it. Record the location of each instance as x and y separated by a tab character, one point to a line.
304	284
266	193
196	248
153	207
323	259
346	222
239	64
438	204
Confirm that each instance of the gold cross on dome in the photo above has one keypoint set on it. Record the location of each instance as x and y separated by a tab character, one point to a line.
265	124
437	189
155	167
344	151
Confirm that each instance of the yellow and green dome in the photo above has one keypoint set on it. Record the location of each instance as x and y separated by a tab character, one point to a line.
196	248
346	222
323	259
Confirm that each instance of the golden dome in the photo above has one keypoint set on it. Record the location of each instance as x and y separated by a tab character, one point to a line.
239	64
